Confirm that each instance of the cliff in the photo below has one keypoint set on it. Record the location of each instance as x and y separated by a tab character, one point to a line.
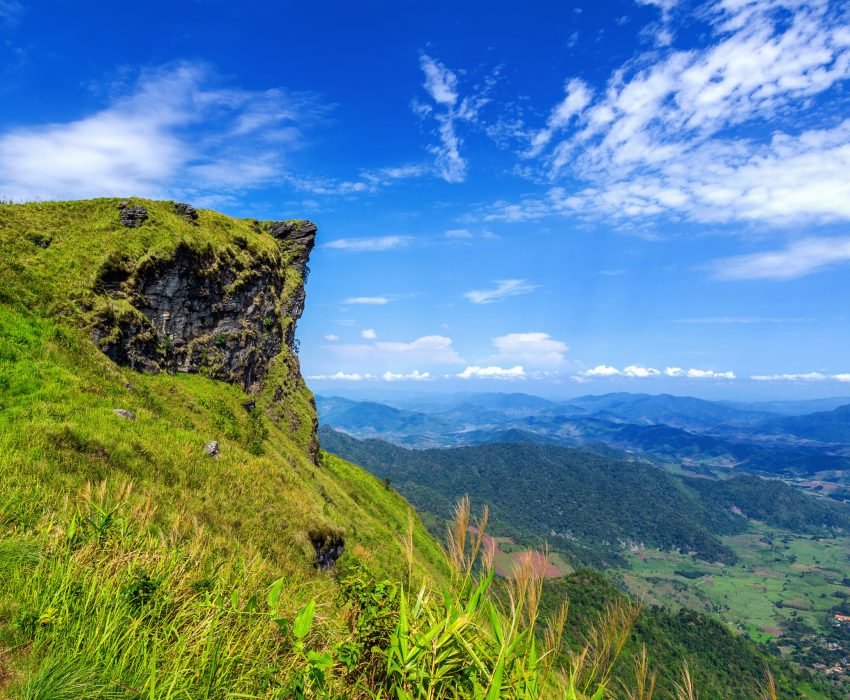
137	332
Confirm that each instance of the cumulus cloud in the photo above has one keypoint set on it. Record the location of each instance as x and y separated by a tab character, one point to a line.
638	372
502	290
601	371
681	132
331	338
414	376
375	301
342	377
535	349
173	133
368	334
449	110
475	372
709	374
373	244
798	259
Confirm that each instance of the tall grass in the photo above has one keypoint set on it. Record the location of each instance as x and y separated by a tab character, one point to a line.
106	607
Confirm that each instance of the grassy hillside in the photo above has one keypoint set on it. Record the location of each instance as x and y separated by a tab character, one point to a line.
97	509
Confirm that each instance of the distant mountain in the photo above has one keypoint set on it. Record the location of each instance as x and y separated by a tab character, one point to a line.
684	412
790	408
509	403
568	495
824	426
366	418
620	421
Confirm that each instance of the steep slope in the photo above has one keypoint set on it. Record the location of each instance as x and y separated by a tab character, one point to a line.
157	443
174	305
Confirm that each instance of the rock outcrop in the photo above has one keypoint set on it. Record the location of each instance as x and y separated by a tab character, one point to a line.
199	311
329	547
132	217
187	211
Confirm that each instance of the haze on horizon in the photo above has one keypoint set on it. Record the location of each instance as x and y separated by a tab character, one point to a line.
634	195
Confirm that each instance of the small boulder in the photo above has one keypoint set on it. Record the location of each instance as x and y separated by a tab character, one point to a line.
249	405
211	448
124	413
133	217
187	211
329	547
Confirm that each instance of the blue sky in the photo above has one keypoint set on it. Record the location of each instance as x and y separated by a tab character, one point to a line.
557	198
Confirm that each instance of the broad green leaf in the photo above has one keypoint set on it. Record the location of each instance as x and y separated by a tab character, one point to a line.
304	620
274	593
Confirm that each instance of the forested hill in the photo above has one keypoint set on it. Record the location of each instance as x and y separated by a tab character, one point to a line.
565	494
824	426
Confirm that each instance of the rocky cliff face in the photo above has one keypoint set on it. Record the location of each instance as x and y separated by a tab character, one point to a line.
228	312
197	311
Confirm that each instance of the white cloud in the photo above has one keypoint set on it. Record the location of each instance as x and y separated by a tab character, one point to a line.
475	372
368	334
502	290
601	371
662	32
374	244
436	348
429	349
639	372
577	98
844	377
798	259
536	349
342	377
331	338
414	376
369	181
171	134
698	373
440	82
709	374
450	109
375	301
459	233
682	132
804	377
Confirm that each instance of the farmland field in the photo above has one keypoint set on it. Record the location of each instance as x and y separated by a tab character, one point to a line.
786	587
